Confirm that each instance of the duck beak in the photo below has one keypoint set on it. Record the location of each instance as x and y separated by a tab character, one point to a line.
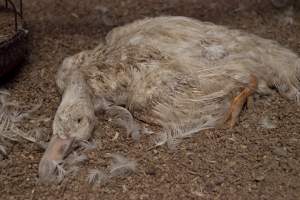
56	151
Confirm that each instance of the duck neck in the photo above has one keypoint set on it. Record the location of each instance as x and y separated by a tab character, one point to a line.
77	90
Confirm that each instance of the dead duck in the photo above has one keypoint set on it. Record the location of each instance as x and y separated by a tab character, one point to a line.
175	72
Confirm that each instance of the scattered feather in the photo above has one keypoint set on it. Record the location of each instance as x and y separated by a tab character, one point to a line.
28	137
52	171
102	8
267	123
59	170
106	16
18	116
40	134
116	136
161	139
87	145
75	158
96	176
121	166
3	150
174	133
288	16
123	118
107	19
135	131
10	116
173	142
73	171
147	131
4	92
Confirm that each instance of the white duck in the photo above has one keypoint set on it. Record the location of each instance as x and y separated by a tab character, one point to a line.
175	72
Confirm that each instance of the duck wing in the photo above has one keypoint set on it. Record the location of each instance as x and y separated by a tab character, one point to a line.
203	45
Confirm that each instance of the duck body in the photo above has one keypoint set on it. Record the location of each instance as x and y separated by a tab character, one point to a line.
176	72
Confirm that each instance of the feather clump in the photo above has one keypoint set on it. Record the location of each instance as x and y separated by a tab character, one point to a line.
3	152
267	123
87	145
123	118
120	166
174	134
55	171
76	159
96	176
11	118
58	170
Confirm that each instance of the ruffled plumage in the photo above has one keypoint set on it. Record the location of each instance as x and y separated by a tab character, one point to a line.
180	73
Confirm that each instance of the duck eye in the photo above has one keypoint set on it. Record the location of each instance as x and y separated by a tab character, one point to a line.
79	120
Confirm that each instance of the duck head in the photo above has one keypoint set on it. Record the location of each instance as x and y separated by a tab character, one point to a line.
74	120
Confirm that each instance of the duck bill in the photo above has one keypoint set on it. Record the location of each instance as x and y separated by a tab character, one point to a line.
56	151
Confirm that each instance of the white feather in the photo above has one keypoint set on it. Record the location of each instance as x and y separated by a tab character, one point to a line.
174	133
4	92
87	145
10	116
267	123
73	170
122	117
75	158
96	176
121	166
17	116
161	139
3	150
55	171
59	172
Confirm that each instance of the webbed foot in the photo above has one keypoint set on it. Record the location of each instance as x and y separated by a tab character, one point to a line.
239	102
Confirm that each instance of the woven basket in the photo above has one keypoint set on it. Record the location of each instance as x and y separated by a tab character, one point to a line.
13	50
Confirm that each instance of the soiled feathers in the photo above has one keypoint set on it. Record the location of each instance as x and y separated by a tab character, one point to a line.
180	73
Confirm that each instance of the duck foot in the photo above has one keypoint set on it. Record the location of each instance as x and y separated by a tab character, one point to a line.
239	102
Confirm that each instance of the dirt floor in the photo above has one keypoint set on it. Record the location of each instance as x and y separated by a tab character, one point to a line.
250	161
6	24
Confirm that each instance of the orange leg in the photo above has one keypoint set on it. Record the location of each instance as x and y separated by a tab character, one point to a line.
239	101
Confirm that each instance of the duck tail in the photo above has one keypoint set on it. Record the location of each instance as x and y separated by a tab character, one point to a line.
295	91
288	85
